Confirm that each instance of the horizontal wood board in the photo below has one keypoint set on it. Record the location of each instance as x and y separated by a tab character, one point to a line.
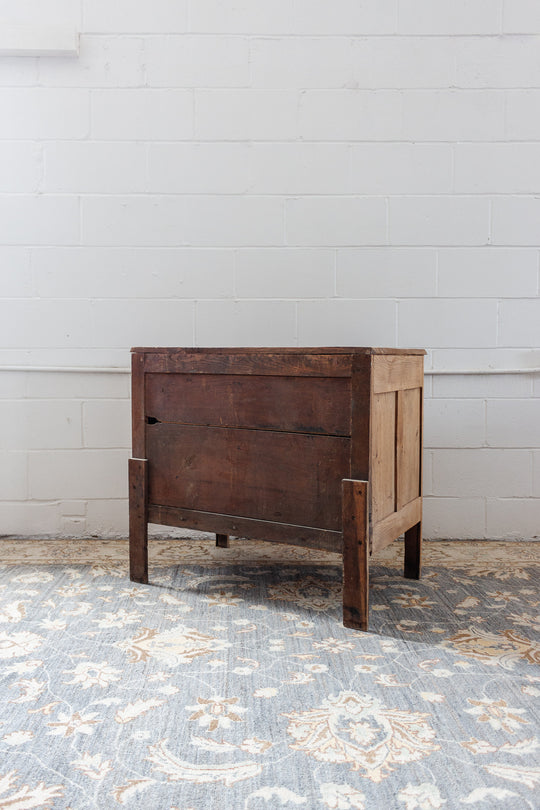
246	527
298	404
282	477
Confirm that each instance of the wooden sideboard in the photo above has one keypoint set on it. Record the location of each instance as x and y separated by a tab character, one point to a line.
318	447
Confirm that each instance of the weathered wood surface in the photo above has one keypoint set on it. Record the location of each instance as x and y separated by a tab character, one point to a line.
355	554
280	364
408	450
257	442
383	452
304	350
392	526
138	520
273	532
284	477
396	373
300	404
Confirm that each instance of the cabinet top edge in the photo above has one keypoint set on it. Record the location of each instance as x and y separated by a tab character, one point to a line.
302	350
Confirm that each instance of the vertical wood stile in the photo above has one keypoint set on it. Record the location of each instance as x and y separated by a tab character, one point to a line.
138	520
137	406
355	554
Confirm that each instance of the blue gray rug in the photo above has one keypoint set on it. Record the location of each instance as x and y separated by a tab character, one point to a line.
230	682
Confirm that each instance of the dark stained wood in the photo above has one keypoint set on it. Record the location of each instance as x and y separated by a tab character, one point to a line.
138	520
294	365
360	419
299	404
355	555
272	532
137	405
304	350
283	477
316	447
413	551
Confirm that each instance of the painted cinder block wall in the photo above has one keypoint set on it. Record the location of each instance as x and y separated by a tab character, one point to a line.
294	172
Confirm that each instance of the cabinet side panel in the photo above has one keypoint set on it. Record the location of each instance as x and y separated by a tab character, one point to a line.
383	454
409	417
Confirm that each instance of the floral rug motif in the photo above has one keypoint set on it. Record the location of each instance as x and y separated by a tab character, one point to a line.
230	681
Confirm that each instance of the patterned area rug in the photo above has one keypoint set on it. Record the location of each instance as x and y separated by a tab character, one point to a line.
230	682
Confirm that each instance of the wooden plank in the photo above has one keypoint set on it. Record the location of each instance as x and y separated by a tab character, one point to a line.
395	373
280	350
360	418
408	429
307	405
355	554
137	405
138	520
383	432
281	364
284	477
246	527
413	552
387	530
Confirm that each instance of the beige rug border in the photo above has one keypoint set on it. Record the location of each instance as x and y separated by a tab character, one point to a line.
166	551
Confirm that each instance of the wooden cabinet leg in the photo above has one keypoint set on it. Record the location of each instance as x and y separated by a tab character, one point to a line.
355	555
413	552
222	540
138	520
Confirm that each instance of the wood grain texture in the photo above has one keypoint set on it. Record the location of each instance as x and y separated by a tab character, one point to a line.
280	364
283	477
355	554
408	450
229	350
383	433
395	373
361	419
138	520
137	406
272	532
395	524
301	404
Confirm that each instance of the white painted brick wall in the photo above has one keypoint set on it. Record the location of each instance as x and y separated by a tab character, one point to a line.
286	173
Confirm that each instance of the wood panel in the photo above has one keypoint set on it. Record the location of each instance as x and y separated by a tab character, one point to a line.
301	404
283	477
395	373
278	350
383	437
388	529
408	431
280	364
246	527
